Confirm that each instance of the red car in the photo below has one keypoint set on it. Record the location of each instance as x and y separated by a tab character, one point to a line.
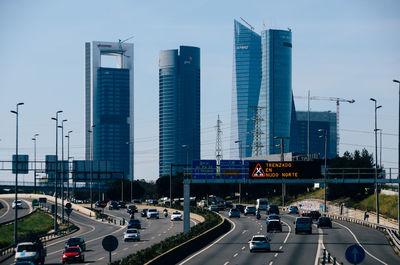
73	254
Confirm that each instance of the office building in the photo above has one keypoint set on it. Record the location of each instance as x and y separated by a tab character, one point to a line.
179	108
109	105
245	89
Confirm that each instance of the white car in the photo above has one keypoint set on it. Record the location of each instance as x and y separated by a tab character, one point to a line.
176	216
152	213
17	203
132	234
259	242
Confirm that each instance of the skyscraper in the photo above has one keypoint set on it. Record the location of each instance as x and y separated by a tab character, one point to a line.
179	107
245	89
109	105
275	102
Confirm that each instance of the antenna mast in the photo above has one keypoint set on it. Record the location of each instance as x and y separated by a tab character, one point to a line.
218	144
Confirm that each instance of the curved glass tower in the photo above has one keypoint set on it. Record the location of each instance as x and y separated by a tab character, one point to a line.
245	88
275	102
179	107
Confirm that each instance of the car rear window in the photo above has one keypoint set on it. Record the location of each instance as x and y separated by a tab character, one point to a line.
131	231
259	238
71	250
27	248
303	220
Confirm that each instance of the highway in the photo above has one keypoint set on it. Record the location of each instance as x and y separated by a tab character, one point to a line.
8	214
289	248
93	231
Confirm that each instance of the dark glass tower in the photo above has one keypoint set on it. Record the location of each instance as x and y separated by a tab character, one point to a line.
275	103
245	88
179	107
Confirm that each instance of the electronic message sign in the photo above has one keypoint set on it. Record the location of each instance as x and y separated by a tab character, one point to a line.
231	169
284	170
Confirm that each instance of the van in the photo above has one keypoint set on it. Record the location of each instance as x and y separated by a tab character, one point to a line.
303	224
262	204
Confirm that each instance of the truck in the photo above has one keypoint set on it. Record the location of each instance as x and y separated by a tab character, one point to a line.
31	251
262	204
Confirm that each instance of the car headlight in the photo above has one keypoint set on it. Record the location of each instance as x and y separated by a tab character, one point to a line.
64	256
78	255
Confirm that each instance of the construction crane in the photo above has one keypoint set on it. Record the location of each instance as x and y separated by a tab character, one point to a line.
252	28
121	50
337	100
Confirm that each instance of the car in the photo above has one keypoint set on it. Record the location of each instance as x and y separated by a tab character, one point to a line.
101	204
259	242
273	217
17	203
203	203
273	208
274	225
134	223
250	210
315	215
213	208
176	216
303	224
240	207
143	212
228	204
113	205
293	210
76	242
35	202
152	213
262	204
132	234
136	201
234	212
324	221
73	254
121	204
132	209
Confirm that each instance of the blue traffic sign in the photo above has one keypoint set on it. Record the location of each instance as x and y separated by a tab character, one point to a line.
355	254
204	169
231	169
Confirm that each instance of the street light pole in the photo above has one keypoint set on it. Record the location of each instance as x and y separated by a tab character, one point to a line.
282	146
16	112
68	137
376	160
34	171
398	170
62	168
91	166
326	147
56	172
240	157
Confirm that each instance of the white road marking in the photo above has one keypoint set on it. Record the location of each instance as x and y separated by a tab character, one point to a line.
243	248
320	243
235	255
29	205
358	242
8	207
280	247
276	255
244	231
101	258
215	242
135	245
115	253
226	263
271	263
125	248
288	234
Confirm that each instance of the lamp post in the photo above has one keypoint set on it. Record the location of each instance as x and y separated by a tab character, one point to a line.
376	160
56	172
326	147
16	112
91	166
68	157
130	168
398	170
34	154
62	168
282	146
240	157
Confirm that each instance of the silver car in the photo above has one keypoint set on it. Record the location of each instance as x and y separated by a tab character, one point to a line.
259	242
152	213
176	216
132	234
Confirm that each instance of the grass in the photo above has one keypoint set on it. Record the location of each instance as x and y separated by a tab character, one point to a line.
387	205
29	227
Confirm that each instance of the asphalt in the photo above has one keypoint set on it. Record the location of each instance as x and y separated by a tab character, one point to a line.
8	214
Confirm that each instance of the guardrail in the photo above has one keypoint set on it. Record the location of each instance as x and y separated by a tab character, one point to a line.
327	258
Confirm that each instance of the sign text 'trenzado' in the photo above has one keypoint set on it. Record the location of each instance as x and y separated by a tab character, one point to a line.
289	169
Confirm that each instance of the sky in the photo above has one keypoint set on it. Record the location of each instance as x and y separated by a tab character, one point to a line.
345	49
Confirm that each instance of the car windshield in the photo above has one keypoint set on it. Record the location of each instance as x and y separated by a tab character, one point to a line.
71	250
259	238
273	217
134	221
251	208
152	210
131	231
303	220
73	241
27	248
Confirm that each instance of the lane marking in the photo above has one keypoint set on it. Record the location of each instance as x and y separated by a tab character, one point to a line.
215	242
101	258
29	206
235	255
135	245
125	248
115	253
280	247
288	234
8	207
358	242
244	231
243	248
320	247
226	263
271	263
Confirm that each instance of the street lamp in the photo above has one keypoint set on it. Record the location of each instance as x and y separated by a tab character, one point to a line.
376	160
130	168
16	112
326	146
282	146
62	166
91	165
68	137
240	157
56	171
34	152
398	170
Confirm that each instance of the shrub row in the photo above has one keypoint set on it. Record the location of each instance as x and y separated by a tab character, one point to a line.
145	255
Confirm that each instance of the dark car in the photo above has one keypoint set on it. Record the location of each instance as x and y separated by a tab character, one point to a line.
113	206
76	242
228	204
315	215
274	225
101	204
121	204
240	207
134	223
132	209
273	208
73	254
143	212
324	221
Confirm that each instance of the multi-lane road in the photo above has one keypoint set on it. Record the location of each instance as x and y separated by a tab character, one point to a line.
8	214
290	248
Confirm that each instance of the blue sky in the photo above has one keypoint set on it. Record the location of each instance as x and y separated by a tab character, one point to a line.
346	49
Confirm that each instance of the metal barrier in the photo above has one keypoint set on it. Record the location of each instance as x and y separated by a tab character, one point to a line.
327	258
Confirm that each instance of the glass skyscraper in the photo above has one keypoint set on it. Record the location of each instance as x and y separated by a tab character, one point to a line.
245	89
179	108
275	102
